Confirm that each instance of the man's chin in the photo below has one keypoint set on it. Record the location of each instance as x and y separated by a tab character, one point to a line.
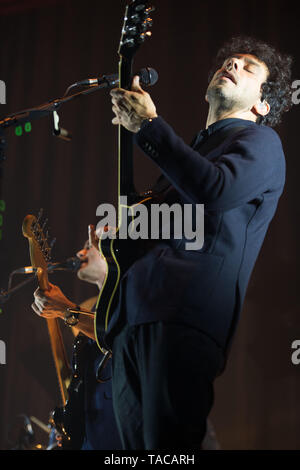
83	275
216	91
221	96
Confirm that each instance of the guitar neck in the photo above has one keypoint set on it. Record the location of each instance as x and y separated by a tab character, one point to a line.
61	362
60	358
136	28
125	144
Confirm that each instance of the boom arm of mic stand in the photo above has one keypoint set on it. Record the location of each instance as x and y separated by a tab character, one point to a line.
47	108
5	295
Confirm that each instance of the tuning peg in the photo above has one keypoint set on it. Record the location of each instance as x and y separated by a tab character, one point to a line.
37	235
40	214
140	7
149	22
46	253
141	38
46	250
150	9
128	43
135	18
40	240
44	225
131	31
146	24
45	243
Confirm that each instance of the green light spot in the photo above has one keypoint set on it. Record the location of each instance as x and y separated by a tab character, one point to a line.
1	220
19	131
2	205
27	127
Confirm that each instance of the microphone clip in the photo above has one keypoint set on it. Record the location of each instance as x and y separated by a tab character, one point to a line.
59	131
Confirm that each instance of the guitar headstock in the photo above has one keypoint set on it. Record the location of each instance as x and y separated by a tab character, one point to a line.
136	27
39	248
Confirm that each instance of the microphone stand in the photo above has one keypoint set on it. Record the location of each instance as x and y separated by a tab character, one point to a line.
43	110
2	158
5	295
47	108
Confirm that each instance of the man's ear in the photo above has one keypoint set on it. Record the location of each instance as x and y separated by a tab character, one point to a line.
261	108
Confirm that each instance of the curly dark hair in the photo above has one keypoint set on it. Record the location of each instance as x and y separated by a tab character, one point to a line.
277	90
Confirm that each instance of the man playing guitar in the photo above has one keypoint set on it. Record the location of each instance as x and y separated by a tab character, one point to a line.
92	414
179	309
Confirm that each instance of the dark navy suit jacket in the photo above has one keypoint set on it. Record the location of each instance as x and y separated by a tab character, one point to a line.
239	182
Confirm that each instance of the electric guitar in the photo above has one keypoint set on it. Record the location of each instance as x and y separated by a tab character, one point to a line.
118	253
40	256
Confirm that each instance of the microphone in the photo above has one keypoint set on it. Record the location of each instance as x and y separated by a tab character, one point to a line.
71	264
148	77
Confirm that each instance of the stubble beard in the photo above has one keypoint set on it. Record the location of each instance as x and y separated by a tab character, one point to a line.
221	102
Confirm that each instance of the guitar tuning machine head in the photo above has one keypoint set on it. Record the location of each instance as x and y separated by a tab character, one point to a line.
141	38
131	31
135	18
128	43
146	25
47	255
44	225
139	7
40	214
150	9
46	250
141	11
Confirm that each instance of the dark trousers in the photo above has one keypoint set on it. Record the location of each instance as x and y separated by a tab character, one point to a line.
163	385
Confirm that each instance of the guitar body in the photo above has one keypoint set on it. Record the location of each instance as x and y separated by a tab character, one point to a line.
69	420
121	253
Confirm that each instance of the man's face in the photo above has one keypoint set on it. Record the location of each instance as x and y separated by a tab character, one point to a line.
91	269
237	84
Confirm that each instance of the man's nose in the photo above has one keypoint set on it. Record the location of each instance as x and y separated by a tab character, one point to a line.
233	63
81	254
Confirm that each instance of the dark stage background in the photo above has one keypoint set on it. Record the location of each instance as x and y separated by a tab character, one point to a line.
45	47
